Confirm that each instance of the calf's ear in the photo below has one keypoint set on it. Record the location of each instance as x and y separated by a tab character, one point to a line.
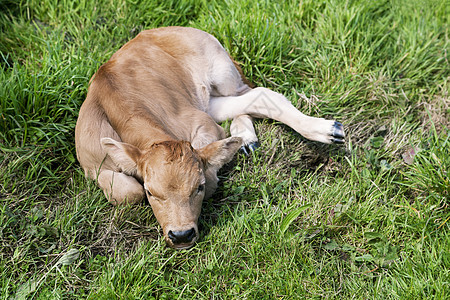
219	153
123	155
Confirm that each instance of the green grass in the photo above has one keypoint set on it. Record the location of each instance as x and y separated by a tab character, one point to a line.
297	220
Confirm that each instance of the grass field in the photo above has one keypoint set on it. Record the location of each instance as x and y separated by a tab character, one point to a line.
297	219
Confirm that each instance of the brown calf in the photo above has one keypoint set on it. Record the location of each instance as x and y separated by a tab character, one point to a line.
148	126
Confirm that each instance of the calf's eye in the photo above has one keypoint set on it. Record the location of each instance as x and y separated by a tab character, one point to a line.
200	188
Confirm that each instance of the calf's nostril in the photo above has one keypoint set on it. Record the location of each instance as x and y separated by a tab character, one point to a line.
179	237
172	236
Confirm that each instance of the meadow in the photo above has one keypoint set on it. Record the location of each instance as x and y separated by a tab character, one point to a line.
295	219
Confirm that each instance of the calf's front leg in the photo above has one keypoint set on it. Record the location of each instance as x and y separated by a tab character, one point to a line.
242	126
120	188
264	103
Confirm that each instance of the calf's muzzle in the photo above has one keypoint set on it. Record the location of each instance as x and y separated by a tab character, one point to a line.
182	237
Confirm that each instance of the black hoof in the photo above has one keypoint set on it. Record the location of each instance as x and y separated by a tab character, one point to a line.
338	133
244	150
338	141
247	149
253	146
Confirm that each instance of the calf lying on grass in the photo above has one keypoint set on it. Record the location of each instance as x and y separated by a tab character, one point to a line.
148	126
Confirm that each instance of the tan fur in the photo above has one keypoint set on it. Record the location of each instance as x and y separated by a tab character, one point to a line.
148	124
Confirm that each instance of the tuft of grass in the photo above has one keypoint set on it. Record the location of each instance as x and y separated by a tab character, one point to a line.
296	219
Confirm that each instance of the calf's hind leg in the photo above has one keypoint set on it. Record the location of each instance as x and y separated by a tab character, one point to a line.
120	188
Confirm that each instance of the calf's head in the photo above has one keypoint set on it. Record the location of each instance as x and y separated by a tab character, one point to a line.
176	179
